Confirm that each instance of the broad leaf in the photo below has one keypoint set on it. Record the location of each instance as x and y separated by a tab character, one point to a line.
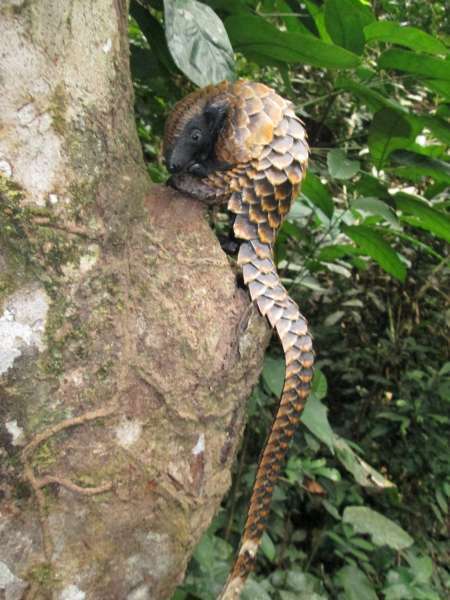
439	86
340	166
418	64
374	206
273	374
382	530
363	473
355	583
154	34
345	21
438	127
424	216
389	131
374	99
372	244
268	547
318	194
315	414
368	185
251	35
411	37
254	590
198	41
415	166
328	253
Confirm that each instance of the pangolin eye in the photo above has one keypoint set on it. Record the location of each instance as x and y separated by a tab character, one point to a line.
196	135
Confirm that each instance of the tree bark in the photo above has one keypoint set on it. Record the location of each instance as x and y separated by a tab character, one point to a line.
127	351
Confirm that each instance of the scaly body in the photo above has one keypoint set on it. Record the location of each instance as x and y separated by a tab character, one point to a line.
252	154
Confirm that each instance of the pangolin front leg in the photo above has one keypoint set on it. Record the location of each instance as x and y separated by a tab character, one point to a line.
250	128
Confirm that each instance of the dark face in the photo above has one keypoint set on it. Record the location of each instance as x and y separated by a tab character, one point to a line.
195	145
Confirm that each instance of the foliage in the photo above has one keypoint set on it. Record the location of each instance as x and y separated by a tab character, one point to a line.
362	508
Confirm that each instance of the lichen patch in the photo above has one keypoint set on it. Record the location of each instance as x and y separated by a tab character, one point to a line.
128	432
22	324
72	592
199	447
15	432
11	587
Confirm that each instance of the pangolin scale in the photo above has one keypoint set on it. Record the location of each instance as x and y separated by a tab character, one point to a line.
263	145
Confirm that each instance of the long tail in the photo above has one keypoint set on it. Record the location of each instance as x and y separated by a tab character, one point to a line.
283	314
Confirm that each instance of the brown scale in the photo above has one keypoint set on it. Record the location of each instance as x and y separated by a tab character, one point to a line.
266	143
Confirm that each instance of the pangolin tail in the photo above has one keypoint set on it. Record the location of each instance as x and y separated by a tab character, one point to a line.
273	301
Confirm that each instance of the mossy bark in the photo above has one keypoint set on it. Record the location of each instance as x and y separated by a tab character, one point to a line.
126	355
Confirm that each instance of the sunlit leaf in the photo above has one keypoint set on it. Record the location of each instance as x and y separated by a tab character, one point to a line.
439	86
198	41
273	374
356	584
315	418
382	530
363	473
345	21
375	206
418	64
438	127
340	166
389	131
374	99
424	216
255	35
154	34
254	590
411	37
318	16
268	547
372	244
415	166
318	194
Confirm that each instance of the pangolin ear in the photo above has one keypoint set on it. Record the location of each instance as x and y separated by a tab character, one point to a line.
215	113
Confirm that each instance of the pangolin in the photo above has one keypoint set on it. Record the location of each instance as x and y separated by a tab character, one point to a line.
241	143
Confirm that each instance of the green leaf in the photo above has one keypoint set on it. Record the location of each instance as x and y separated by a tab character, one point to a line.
306	586
415	166
424	216
389	131
317	193
268	547
355	583
376	207
438	127
154	34
363	473
340	166
253	590
273	374
345	21
375	246
367	185
252	34
372	98
317	14
315	418
411	37
422	567
439	86
293	24
418	64
319	385
328	253
198	41
382	530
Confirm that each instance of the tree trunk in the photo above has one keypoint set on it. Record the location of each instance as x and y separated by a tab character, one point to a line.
125	353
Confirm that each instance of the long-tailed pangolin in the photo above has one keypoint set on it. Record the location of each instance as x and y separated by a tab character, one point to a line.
243	144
